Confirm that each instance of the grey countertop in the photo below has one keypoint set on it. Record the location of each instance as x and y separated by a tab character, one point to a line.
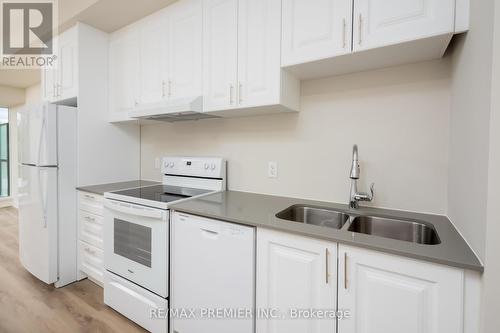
259	210
110	187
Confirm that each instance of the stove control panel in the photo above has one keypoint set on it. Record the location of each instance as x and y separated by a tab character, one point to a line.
206	167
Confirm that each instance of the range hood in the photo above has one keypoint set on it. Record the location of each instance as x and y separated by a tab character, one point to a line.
189	108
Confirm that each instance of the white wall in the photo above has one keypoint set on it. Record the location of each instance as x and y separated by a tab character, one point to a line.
397	116
491	288
469	126
11	96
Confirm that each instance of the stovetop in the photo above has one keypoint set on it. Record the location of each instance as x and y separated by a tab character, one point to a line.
161	193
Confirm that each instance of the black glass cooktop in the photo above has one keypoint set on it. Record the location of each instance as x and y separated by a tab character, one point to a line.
162	193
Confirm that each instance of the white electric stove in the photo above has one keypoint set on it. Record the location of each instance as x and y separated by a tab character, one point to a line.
136	236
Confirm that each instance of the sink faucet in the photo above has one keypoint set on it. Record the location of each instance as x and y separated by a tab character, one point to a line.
356	196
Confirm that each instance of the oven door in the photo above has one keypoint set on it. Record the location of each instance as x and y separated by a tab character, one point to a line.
136	244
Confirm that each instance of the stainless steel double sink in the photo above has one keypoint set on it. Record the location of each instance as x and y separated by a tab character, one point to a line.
419	232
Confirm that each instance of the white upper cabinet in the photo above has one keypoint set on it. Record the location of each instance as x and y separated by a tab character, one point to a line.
48	84
295	272
317	42
392	294
220	54
384	22
315	29
68	65
242	57
259	70
123	74
60	84
185	50
153	50
166	60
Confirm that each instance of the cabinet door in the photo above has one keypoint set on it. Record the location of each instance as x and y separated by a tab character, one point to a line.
185	51
379	23
153	59
259	52
295	272
123	77
315	29
67	83
48	84
220	54
392	294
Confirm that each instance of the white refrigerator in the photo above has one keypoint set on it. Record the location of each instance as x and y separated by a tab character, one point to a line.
47	136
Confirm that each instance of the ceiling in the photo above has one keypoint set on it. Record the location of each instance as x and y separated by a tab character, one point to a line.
111	15
105	15
19	78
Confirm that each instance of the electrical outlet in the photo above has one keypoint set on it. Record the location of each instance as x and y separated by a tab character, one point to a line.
157	163
272	169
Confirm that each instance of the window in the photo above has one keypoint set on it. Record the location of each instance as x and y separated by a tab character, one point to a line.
4	153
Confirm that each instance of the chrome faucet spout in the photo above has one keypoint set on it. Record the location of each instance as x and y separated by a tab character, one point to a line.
356	196
355	164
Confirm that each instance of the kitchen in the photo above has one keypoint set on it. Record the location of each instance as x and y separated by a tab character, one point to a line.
267	99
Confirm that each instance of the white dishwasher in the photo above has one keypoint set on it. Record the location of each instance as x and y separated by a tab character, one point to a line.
212	276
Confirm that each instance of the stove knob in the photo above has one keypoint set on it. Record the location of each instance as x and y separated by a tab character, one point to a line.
213	166
206	166
172	164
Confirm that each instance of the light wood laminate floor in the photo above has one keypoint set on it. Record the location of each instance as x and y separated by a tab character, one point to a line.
28	305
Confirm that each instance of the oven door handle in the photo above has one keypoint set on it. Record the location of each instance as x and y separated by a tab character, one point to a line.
126	208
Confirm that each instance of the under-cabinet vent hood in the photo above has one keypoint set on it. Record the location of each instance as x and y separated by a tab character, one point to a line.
190	108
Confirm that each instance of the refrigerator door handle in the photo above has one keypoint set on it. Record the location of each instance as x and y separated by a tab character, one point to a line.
42	131
42	198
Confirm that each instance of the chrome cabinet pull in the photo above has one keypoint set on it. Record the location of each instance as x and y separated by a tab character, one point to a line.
240	89
327	256
345	270
90	219
90	251
163	89
169	88
360	26
231	88
344	37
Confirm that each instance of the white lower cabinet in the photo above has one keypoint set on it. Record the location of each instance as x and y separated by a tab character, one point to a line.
91	261
90	238
294	273
392	294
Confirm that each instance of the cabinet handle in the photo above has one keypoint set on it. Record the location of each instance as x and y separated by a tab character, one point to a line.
231	88
163	89
90	251
360	26
169	88
54	90
327	256
89	196
344	32
240	89
345	270
90	219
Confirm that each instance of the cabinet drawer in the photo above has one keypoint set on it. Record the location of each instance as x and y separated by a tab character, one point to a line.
91	261
90	228
93	203
135	303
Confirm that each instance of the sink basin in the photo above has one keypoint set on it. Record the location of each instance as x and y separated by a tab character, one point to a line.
410	231
314	215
